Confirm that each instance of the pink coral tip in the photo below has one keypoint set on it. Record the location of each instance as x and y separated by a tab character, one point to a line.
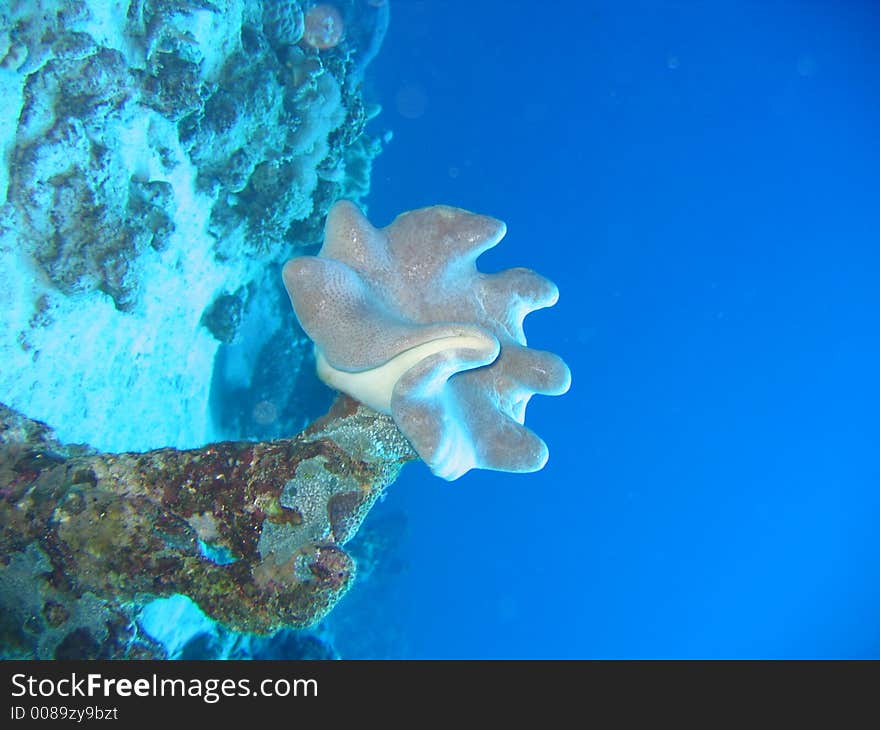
324	27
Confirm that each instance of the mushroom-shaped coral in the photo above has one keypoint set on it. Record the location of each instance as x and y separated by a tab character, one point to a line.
404	322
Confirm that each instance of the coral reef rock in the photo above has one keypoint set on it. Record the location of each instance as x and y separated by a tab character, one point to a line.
163	157
253	533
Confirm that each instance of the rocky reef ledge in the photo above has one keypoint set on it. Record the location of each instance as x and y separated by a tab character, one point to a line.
159	161
252	532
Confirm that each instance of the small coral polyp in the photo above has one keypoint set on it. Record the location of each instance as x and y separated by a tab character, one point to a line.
404	322
324	27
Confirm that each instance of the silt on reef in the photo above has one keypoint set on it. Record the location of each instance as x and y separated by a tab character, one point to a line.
86	538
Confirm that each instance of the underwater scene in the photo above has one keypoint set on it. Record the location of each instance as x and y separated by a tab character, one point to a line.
269	328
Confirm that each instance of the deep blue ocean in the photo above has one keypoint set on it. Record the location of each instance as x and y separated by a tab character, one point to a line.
701	181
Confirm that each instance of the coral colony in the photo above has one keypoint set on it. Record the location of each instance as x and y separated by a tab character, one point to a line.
253	533
403	321
165	157
324	27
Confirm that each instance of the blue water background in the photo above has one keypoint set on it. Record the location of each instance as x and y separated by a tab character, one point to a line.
702	181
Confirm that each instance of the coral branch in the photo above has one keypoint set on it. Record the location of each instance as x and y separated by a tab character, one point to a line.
252	532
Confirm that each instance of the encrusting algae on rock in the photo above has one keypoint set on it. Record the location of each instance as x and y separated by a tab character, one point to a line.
87	538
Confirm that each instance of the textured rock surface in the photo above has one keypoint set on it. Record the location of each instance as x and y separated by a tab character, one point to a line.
162	158
252	532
